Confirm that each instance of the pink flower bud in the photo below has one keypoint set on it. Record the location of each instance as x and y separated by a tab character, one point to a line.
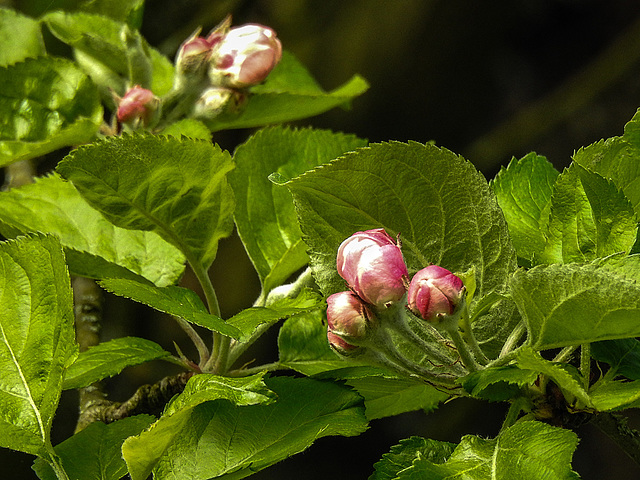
341	346
434	292
245	56
347	315
371	263
137	105
195	52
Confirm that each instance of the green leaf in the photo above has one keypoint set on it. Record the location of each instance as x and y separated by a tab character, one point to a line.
561	375
37	340
288	94
219	438
498	383
438	202
176	188
188	127
615	395
617	159
20	37
94	453
46	103
94	247
109	358
178	301
274	243
590	218
401	456
386	397
623	356
525	451
249	319
523	191
572	304
142	452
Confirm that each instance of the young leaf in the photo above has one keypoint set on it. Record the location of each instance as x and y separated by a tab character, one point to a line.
142	452
20	37
617	159
572	304
94	453
176	188
288	94
615	395
188	127
523	191
109	358
37	340
45	103
178	301
622	355
590	218
498	383
385	397
274	244
219	438
249	319
402	456
440	205
527	450
570	385
94	247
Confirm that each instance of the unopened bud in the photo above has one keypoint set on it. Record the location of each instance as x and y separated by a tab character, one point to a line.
371	262
341	346
212	103
434	293
138	105
194	53
245	56
348	316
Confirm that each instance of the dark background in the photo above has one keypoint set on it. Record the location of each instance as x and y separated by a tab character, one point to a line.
485	79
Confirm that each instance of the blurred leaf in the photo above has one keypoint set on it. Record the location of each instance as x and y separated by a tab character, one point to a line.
274	243
20	37
523	191
109	358
46	103
94	453
37	340
178	301
615	395
622	355
590	218
189	128
402	456
174	187
288	94
572	304
524	451
220	438
94	247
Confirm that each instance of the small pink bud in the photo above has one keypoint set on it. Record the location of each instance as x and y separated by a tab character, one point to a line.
371	263
137	105
347	316
245	56
341	346
195	52
434	292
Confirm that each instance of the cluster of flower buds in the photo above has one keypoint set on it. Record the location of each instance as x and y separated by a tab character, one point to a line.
372	264
224	63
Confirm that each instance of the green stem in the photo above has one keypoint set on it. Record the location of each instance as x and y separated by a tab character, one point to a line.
517	406
585	364
54	462
513	339
267	367
565	353
471	338
203	351
505	359
463	350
